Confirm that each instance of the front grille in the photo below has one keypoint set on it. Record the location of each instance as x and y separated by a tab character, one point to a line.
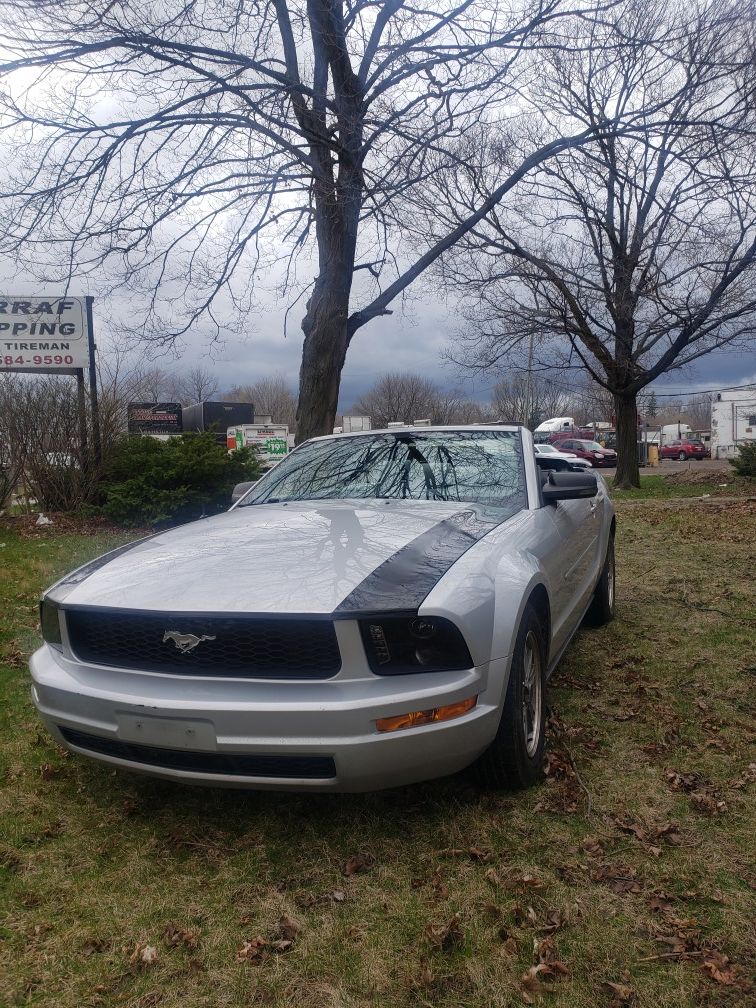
245	646
231	764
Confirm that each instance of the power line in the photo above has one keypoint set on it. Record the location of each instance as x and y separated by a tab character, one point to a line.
588	394
722	388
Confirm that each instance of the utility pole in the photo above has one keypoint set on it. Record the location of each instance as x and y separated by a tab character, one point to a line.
529	384
93	400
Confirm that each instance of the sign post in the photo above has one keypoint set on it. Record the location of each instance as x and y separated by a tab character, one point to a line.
53	335
93	401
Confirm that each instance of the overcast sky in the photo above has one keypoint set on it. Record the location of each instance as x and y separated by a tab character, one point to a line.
412	339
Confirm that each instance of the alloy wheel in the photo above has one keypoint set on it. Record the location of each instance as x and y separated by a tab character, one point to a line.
532	693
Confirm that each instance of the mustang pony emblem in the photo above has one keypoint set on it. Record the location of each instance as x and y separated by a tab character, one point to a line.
185	641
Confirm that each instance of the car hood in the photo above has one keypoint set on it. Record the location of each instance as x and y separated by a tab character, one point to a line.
311	557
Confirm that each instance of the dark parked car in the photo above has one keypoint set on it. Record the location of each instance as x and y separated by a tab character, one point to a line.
591	450
683	450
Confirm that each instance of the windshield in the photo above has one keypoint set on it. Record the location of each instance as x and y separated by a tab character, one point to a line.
483	467
545	449
591	446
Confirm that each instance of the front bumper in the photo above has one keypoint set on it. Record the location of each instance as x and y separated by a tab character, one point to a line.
330	723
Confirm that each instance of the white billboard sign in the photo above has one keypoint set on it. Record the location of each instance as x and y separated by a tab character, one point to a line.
43	334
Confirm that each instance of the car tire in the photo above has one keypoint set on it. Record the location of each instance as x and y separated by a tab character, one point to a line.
515	757
601	610
682	456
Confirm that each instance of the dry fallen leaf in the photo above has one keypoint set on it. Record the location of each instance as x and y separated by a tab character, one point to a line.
708	803
592	845
94	945
252	951
628	825
522	882
619	878
143	955
176	935
555	919
358	862
531	984
288	928
545	952
682	781
557	765
281	945
659	901
718	967
493	877
623	994
483	854
747	777
446	936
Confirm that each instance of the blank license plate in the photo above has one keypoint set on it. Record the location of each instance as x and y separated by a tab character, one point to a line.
170	733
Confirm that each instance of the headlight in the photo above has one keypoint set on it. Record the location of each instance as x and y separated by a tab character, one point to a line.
400	645
49	621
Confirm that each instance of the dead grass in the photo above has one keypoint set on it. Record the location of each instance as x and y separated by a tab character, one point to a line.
119	890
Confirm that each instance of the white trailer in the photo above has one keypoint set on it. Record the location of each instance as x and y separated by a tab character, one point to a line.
733	421
355	424
271	441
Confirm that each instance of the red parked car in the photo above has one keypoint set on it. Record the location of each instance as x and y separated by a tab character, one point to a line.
684	450
597	455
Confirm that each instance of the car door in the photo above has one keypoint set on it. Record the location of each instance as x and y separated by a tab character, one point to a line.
578	523
572	446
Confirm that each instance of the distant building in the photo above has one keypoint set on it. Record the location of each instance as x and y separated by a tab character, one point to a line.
733	420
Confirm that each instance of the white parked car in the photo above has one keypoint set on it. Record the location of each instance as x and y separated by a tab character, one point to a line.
380	608
574	462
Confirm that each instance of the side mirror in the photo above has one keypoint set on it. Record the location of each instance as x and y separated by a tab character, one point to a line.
568	486
240	489
549	463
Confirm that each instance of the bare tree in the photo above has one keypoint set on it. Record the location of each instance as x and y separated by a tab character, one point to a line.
39	421
698	411
238	135
529	400
123	378
468	411
403	397
636	255
271	397
150	383
197	385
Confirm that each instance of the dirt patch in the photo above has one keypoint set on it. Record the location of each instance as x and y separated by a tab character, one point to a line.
26	527
719	478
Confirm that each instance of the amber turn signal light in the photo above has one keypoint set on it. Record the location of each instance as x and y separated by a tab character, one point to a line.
422	717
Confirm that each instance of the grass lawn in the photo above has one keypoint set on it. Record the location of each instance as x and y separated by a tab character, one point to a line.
626	879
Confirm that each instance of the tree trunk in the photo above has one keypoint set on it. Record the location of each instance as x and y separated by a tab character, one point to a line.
627	475
323	356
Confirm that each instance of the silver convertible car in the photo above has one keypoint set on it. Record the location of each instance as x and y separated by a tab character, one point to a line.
380	608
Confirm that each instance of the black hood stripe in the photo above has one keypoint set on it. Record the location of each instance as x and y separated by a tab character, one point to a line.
407	578
60	589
